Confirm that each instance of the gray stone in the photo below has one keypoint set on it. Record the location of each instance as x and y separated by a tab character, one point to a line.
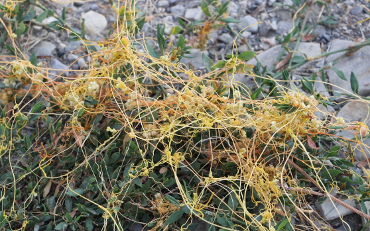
319	31
232	7
288	2
226	38
356	10
331	210
136	227
95	23
284	27
73	46
273	25
308	49
358	63
244	79
323	112
45	49
174	1
268	57
246	34
94	7
78	4
194	14
356	111
59	69
271	2
72	57
163	3
264	29
178	10
64	3
250	22
197	61
81	62
320	88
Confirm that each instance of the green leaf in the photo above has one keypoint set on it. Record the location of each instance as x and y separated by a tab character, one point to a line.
33	59
27	142
182	23
137	182
256	93
83	32
339	73
29	16
68	204
181	42
307	85
204	6
285	74
173	217
151	51
229	20
75	192
160	37
246	55
331	173
69	218
42	16
233	201
208	63
220	64
89	224
172	200
333	151
282	224
176	30
64	14
20	30
354	83
55	25
61	226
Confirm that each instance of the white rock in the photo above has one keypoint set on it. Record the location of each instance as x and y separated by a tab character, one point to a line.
45	49
95	23
49	20
37	28
178	10
250	22
331	210
356	111
197	61
163	3
358	63
194	14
